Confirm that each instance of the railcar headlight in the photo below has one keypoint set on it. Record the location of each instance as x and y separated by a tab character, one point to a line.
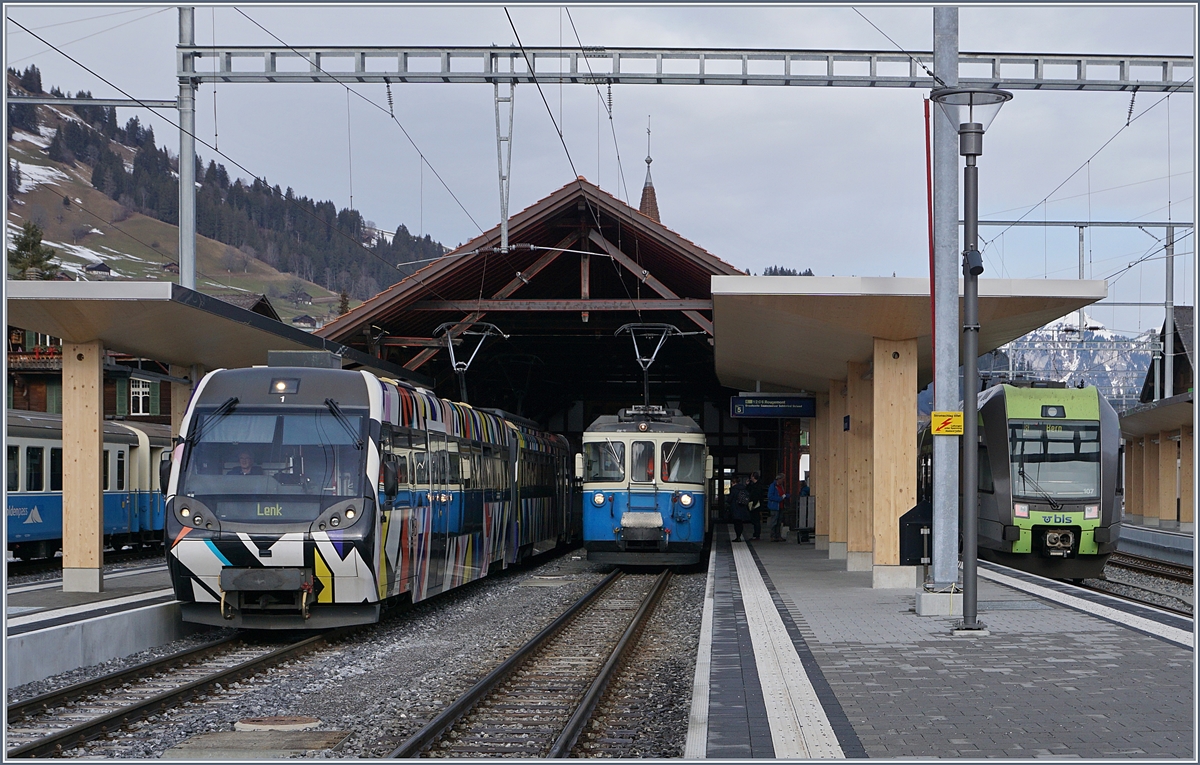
197	520
335	521
686	500
350	513
598	498
185	512
1021	510
1091	512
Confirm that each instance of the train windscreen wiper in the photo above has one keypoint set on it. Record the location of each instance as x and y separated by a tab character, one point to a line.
344	420
216	415
1053	504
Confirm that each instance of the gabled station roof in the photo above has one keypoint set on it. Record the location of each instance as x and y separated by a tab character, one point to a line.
798	332
168	323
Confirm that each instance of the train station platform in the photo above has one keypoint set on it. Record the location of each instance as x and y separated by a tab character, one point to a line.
1170	541
802	659
50	631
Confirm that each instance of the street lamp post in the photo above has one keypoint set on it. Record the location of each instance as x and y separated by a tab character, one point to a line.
970	111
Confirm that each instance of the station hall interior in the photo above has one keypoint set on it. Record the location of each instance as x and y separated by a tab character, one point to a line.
582	265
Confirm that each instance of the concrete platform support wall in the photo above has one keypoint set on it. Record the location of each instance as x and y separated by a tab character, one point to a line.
894	456
1168	470
82	425
1150	480
837	470
820	470
1187	475
859	511
1134	450
181	394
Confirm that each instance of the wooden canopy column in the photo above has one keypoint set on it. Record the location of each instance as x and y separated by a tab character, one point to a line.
1187	474
1134	453
894	440
1168	456
82	431
820	482
1150	481
859	456
838	482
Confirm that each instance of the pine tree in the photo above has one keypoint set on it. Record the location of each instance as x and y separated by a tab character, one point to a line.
343	303
30	258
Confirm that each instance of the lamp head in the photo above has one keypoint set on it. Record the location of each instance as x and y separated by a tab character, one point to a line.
974	106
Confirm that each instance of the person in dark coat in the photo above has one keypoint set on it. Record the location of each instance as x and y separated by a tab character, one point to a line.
758	498
739	501
245	465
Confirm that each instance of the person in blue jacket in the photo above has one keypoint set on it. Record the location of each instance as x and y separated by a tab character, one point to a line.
775	498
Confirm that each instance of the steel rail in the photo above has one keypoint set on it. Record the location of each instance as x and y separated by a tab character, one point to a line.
30	707
1138	601
55	743
1153	566
463	704
566	740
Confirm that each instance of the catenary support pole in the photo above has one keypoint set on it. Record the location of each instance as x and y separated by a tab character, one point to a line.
945	287
1169	324
187	154
1082	326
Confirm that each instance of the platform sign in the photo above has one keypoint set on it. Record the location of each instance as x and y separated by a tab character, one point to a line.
946	423
772	406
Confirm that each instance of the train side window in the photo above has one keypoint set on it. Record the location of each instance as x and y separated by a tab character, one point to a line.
55	468
120	470
104	465
985	472
14	468
402	469
35	468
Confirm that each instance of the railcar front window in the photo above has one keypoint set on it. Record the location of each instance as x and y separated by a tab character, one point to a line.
682	463
278	466
1059	460
641	463
604	461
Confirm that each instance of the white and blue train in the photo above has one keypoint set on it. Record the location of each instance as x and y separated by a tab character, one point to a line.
645	474
133	505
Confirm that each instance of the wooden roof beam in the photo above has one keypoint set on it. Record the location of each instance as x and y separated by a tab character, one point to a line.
646	277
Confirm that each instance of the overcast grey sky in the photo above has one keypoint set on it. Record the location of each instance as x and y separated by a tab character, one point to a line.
831	179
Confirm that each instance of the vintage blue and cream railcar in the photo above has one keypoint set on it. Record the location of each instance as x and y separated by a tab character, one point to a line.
645	474
1048	479
133	504
310	498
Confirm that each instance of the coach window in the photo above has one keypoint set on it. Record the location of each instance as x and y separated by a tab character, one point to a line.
642	462
14	468
120	470
104	466
35	468
55	468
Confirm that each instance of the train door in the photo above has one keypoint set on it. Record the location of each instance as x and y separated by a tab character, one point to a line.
439	499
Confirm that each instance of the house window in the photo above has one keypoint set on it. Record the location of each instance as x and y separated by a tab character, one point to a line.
139	397
54	397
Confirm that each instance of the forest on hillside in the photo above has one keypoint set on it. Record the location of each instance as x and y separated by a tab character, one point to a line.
312	239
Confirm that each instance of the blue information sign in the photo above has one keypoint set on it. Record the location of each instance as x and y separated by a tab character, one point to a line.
772	406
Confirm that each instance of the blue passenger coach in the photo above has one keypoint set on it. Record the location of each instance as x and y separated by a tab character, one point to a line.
645	474
133	505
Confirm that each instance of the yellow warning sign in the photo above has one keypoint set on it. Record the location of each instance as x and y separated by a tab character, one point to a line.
946	423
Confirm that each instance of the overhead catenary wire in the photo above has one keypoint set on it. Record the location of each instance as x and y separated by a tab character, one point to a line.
78	39
612	127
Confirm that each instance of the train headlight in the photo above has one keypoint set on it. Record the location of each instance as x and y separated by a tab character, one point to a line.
1021	510
196	519
598	499
686	500
1091	512
335	521
185	512
350	513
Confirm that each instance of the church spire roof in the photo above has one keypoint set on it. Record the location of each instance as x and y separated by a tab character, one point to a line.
649	205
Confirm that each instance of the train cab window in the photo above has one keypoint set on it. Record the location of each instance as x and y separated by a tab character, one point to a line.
104	465
683	463
14	468
35	468
420	468
56	468
642	462
120	470
604	461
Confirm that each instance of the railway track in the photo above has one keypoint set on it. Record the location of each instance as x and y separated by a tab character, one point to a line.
539	700
52	723
19	568
1145	565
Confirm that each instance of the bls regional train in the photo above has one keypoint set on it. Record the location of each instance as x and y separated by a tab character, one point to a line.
311	498
1048	479
133	505
645	475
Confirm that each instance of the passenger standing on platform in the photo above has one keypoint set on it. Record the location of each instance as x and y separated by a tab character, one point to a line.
775	498
739	500
758	498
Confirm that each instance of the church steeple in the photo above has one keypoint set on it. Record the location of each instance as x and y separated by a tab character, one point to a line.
649	205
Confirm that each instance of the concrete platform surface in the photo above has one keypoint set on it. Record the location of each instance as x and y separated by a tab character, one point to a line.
1057	675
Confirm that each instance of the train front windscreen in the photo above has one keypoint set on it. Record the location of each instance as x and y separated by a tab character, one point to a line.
257	466
1059	460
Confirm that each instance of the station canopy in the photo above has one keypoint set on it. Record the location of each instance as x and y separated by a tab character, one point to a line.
580	265
792	333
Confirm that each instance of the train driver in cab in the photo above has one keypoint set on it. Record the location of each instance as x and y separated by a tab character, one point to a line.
245	465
